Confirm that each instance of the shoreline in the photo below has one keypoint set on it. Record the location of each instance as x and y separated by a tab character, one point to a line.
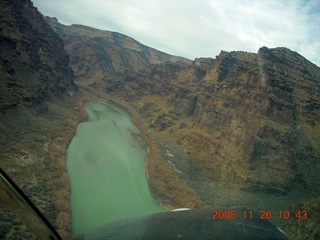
34	156
62	196
150	142
166	186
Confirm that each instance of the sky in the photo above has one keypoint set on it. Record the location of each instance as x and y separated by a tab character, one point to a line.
200	28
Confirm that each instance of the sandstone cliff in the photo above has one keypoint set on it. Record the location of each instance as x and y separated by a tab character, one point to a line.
39	111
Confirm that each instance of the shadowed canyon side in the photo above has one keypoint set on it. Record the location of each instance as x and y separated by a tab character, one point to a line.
30	49
40	108
238	130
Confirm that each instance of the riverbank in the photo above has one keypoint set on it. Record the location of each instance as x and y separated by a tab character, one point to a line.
33	148
167	187
57	150
106	165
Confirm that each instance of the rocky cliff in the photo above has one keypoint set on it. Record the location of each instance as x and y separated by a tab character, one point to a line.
30	69
98	56
238	130
241	129
39	111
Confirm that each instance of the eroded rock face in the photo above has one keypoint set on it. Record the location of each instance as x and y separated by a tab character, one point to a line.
257	115
102	55
38	116
33	63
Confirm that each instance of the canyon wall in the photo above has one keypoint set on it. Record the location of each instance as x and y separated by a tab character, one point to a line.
39	110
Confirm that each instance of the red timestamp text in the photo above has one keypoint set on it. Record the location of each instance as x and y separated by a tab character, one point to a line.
262	214
286	214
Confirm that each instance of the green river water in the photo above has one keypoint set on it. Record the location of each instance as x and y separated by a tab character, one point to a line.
106	164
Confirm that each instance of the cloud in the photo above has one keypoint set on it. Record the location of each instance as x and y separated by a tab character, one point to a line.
193	28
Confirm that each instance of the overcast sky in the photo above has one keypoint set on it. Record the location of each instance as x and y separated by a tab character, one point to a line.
200	28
